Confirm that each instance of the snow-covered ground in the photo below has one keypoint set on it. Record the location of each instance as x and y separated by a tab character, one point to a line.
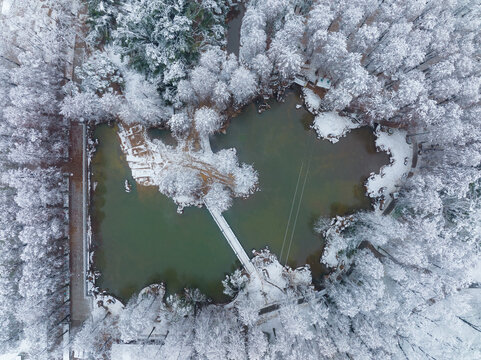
387	182
138	156
10	356
104	306
183	173
311	100
5	6
475	273
331	126
457	317
134	351
268	287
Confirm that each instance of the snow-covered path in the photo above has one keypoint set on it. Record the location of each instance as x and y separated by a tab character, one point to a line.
232	239
80	302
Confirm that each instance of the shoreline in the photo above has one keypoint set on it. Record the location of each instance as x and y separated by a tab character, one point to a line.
151	187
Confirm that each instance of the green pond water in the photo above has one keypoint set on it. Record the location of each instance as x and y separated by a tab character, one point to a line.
287	154
140	239
234	24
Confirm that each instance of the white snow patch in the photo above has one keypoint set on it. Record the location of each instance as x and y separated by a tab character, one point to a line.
271	281
103	304
205	143
134	351
446	324
267	289
312	101
331	126
310	74
476	273
11	356
388	180
5	6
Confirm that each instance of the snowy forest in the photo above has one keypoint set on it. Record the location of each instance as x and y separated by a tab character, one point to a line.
400	286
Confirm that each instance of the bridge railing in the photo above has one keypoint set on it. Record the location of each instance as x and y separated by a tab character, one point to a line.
231	239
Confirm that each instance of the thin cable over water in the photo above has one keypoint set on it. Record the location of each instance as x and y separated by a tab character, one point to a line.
290	213
300	199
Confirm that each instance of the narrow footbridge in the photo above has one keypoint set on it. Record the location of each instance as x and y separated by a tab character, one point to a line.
232	239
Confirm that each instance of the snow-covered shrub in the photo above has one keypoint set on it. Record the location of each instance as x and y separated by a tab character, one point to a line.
99	74
181	184
203	82
179	123
245	175
234	283
219	197
142	102
221	95
207	120
243	85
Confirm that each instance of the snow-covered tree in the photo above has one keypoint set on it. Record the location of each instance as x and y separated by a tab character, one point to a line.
207	120
392	278
161	38
179	123
243	85
33	148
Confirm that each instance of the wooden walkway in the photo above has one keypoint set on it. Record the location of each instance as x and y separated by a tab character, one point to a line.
80	303
232	240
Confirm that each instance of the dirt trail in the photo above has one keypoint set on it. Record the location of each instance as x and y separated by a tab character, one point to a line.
80	304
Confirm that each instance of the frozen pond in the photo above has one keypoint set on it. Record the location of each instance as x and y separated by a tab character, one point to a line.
286	153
